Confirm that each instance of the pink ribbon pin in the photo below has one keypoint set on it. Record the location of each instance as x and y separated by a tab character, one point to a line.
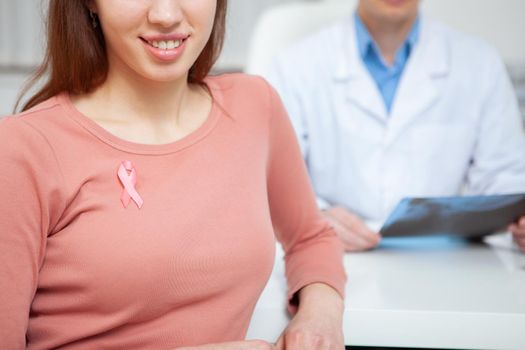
128	178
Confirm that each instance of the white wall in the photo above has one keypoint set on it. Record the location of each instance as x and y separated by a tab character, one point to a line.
501	22
20	32
21	46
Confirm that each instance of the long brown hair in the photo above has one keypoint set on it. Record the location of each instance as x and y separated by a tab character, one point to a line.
76	59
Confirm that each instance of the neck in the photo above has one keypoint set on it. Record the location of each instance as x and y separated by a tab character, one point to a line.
136	99
389	36
138	109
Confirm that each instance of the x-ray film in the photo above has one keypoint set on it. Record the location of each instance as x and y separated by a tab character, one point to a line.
469	216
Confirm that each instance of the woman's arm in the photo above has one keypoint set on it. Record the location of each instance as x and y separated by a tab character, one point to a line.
318	321
316	325
29	182
238	345
313	252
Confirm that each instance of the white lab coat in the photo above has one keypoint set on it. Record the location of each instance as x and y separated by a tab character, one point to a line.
454	125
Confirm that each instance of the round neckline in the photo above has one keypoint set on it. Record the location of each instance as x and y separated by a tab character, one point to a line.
114	141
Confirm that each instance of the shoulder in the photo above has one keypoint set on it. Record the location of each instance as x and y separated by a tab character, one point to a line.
41	114
237	83
460	44
313	59
240	87
243	96
29	130
29	161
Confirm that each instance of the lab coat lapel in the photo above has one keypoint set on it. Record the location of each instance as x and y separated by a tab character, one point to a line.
353	79
418	88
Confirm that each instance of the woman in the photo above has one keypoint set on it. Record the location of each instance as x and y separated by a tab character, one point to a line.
140	197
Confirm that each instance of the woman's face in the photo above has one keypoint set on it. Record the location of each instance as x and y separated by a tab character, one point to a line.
156	39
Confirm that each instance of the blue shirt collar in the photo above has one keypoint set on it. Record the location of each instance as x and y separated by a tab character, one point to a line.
365	42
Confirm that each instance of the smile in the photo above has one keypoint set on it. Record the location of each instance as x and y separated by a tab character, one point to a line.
165	49
165	44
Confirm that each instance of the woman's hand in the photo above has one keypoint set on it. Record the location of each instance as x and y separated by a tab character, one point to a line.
317	325
238	345
518	233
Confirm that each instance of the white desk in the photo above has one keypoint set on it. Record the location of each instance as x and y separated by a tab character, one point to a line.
424	293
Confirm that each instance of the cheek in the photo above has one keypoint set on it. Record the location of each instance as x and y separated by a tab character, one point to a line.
203	14
121	9
117	36
200	14
120	32
121	16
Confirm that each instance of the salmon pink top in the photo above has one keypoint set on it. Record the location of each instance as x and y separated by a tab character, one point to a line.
110	244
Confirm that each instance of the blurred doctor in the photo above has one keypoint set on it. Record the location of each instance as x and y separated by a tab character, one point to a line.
387	104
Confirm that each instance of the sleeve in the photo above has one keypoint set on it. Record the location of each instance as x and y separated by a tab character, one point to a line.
29	183
498	163
283	84
313	253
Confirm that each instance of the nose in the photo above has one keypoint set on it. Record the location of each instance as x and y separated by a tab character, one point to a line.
165	12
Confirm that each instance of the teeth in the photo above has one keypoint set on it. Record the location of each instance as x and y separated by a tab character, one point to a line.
165	45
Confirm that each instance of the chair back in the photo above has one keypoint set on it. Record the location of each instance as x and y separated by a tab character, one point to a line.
282	25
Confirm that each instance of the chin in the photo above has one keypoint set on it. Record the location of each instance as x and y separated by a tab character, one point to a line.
399	8
165	74
395	3
396	15
166	78
398	3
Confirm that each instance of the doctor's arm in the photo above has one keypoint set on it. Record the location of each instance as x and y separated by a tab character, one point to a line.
498	162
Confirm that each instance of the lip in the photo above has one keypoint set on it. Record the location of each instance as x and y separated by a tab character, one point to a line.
165	37
165	55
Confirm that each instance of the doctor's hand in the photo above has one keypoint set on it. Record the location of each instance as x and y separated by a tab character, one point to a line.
352	231
518	232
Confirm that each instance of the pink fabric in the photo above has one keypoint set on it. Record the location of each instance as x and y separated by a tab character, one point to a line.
79	270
